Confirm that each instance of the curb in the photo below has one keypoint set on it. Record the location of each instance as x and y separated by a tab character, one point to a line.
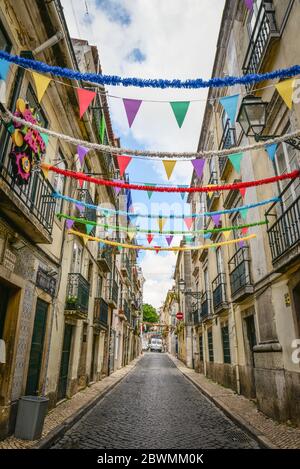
62	428
263	441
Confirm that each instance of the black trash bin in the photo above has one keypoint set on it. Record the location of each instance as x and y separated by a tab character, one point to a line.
31	414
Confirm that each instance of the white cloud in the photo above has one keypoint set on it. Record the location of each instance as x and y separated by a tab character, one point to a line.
178	39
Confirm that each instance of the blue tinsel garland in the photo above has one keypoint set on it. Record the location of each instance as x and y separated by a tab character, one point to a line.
149	83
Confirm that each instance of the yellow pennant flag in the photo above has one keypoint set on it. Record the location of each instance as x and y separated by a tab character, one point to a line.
169	166
45	171
41	84
161	223
285	89
85	240
227	234
210	193
131	235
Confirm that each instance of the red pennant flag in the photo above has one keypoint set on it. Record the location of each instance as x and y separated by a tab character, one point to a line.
123	162
80	181
84	97
157	249
150	238
242	191
245	230
188	221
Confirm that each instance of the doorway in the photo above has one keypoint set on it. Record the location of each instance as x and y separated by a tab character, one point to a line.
64	364
37	348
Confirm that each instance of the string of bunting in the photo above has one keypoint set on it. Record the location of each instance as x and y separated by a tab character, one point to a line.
150	153
211	188
109	211
160	248
115	80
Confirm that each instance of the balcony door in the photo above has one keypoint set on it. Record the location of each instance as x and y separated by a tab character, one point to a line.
220	268
64	364
255	19
76	258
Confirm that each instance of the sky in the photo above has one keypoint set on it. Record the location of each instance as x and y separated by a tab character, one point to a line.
153	39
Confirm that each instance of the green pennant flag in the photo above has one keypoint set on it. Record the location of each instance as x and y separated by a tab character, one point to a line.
120	248
235	160
102	128
243	213
45	137
89	228
180	109
149	193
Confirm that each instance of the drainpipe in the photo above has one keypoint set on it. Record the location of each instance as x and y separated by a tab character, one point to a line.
237	371
204	349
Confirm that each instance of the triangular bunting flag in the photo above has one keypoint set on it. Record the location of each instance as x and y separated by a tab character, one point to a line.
188	239
157	249
198	166
89	228
149	193
120	248
150	238
45	171
169	239
210	193
216	219
227	234
80	207
45	137
180	109
69	223
285	89
80	182
85	240
249	4
229	104
41	84
188	221
131	107
85	97
102	128
81	152
4	67
243	191
133	217
235	160
169	166
241	244
161	223
123	162
182	194
243	213
131	234
271	150
117	189
245	230
207	235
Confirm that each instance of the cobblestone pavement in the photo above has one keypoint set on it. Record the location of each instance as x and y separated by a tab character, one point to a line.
155	406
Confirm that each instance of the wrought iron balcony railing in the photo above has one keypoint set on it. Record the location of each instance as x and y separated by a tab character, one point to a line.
205	305
88	213
105	258
265	30
78	290
46	282
219	292
100	312
228	140
113	293
240	273
125	266
213	180
126	311
284	232
196	315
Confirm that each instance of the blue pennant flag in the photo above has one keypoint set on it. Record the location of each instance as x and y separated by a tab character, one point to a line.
132	217
271	150
207	235
230	103
4	67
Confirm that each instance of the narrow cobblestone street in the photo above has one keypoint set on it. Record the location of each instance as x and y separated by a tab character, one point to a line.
155	407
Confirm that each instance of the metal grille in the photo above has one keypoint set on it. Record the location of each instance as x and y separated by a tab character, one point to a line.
101	311
77	293
219	290
240	270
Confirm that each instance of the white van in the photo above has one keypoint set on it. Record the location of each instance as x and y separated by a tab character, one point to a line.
156	345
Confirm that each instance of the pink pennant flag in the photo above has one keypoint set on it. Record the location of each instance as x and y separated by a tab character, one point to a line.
245	230
198	166
249	4
242	191
188	221
80	207
131	107
85	97
123	162
69	223
117	189
81	152
150	238
169	239
216	219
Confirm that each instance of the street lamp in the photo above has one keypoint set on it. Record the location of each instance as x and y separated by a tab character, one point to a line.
252	117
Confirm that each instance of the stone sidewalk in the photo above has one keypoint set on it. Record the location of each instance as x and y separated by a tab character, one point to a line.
69	411
244	412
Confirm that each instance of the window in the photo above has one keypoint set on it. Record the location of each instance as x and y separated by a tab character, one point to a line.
253	18
286	161
226	344
201	348
206	281
33	103
76	258
5	43
219	260
59	181
210	346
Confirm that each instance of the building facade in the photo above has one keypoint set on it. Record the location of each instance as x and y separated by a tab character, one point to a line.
64	319
248	317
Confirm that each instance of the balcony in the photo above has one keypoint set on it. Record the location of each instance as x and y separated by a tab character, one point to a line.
87	213
196	316
219	293
213	180
113	293
284	234
31	206
240	276
45	282
126	311
264	33
105	258
125	266
228	140
205	306
77	300
100	313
